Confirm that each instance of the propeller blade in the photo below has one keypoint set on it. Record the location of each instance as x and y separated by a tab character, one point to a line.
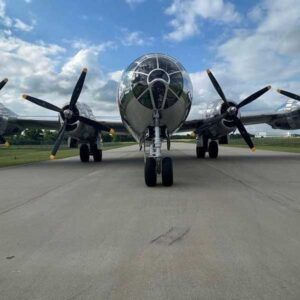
3	83
77	89
94	124
254	96
43	103
58	140
216	86
244	133
288	94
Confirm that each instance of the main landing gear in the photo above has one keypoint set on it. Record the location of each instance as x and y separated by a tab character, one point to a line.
86	151
204	146
155	164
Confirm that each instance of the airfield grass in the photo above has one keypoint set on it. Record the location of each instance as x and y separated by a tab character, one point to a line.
283	144
16	155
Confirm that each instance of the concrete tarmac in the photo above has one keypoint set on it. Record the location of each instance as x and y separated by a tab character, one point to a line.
227	229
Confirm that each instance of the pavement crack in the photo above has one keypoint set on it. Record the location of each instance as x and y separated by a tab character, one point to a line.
173	235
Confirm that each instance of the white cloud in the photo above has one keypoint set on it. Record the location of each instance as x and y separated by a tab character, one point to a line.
4	19
134	2
185	15
46	71
13	23
135	38
18	24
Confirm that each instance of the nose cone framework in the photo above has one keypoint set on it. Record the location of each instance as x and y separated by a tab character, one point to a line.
156	81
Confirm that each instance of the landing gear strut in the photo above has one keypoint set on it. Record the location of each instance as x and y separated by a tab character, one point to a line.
155	164
202	145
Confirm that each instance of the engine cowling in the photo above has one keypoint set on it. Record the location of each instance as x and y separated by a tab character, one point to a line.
75	128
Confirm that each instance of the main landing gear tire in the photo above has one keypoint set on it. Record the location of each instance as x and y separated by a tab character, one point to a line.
150	172
97	153
213	149
167	171
84	153
200	151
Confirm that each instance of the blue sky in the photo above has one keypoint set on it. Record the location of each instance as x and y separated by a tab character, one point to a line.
248	44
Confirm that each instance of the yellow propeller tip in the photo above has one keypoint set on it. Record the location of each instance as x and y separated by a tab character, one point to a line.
253	149
269	87
24	96
52	157
6	144
5	80
208	71
112	132
85	70
279	90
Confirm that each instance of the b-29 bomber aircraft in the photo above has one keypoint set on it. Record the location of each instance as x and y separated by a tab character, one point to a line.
154	99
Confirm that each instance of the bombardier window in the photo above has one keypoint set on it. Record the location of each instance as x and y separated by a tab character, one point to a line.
158	92
139	84
145	99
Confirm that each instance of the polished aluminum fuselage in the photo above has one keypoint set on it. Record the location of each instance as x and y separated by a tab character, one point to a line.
173	106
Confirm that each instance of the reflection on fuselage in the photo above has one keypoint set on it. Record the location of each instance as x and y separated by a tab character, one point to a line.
154	82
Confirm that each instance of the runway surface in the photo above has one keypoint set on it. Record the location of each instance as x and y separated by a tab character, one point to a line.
227	229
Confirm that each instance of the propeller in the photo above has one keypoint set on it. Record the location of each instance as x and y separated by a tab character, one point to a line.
3	83
233	109
288	94
69	113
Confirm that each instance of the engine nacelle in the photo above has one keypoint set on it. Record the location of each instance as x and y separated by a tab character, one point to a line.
224	126
76	129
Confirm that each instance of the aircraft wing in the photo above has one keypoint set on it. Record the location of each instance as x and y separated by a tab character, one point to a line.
23	123
118	127
282	120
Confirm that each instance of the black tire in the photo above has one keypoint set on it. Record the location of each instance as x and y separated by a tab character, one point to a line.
97	153
213	149
200	151
167	171
84	153
150	172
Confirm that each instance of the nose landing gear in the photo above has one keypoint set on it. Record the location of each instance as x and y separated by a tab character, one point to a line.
155	164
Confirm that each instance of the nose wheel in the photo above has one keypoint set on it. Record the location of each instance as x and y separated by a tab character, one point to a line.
154	167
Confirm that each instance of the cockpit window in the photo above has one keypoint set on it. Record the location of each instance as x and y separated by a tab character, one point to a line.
167	65
156	81
176	83
147	65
